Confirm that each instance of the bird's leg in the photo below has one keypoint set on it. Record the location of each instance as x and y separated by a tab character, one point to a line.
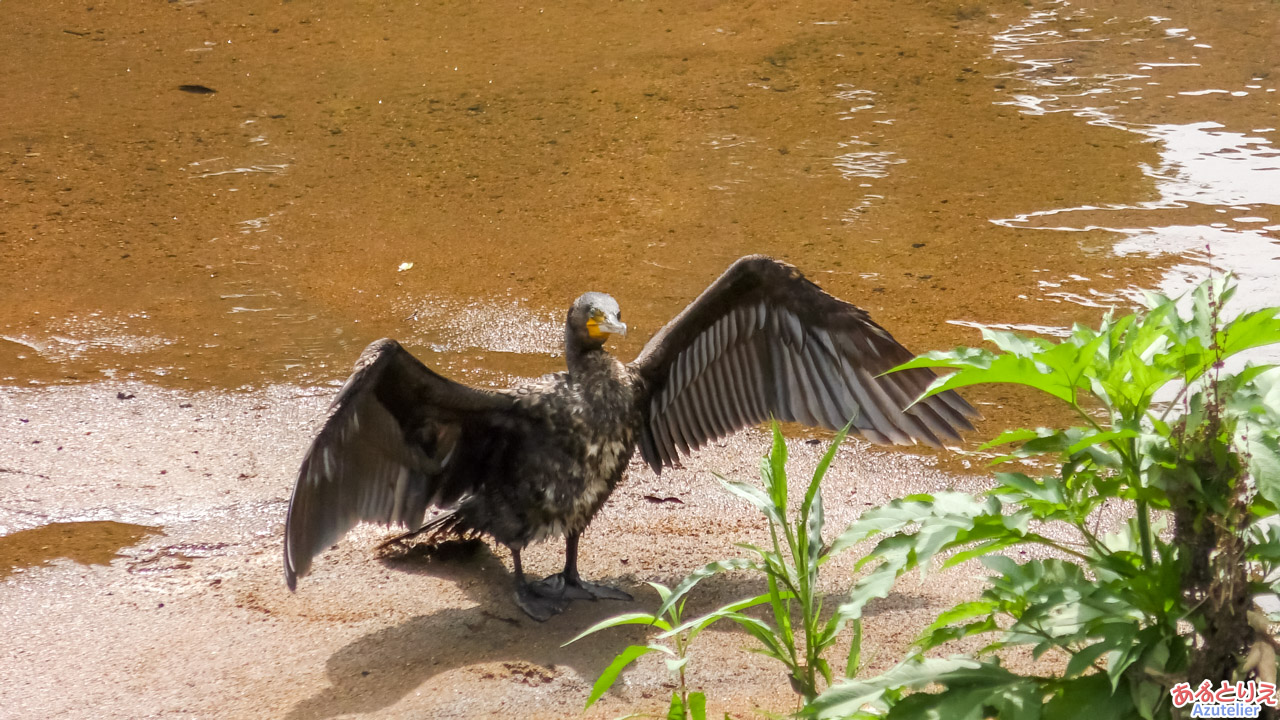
569	585
532	601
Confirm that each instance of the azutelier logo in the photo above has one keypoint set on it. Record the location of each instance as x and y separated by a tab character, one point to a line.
1230	700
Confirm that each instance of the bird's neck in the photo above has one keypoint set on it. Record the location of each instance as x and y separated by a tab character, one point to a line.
584	361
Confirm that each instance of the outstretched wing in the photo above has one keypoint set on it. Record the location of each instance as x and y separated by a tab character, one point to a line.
398	439
764	341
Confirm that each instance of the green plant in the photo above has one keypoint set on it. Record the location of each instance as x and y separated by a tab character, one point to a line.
683	703
1128	613
798	636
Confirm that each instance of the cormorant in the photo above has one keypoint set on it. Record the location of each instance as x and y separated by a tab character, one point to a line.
538	460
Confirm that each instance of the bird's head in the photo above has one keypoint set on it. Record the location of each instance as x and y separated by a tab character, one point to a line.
592	319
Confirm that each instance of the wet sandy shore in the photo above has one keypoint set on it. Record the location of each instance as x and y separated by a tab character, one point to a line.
166	598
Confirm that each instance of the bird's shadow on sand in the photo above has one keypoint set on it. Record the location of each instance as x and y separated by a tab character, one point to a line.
378	669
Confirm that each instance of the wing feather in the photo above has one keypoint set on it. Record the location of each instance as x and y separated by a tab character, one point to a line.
784	381
385	452
680	428
817	373
759	392
813	395
718	392
730	389
666	444
691	411
734	388
762	340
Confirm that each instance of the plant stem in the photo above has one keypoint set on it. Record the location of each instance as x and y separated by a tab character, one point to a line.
1042	540
680	654
1134	470
800	556
787	633
1144	532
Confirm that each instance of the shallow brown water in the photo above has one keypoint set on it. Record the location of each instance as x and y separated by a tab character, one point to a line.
519	155
942	164
90	543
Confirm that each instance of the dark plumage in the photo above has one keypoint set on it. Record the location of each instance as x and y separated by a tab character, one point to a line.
538	460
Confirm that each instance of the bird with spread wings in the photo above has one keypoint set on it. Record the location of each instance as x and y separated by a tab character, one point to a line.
538	460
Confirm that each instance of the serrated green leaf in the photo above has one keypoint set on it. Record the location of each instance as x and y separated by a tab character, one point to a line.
1090	697
1015	344
624	619
698	576
847	698
944	635
610	674
994	545
1049	491
1116	638
676	710
995	369
853	663
1248	331
961	612
813	531
776	479
1010	436
811	510
757	497
762	633
697	706
698	624
1264	463
663	591
1091	438
876	585
1146	697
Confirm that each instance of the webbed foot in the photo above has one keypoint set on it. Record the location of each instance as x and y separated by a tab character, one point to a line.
537	605
604	592
575	588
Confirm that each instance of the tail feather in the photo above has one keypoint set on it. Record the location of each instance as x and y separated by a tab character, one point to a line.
447	526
